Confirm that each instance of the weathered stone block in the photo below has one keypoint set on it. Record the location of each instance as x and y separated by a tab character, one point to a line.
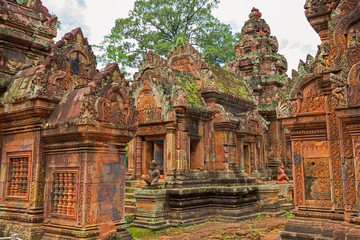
150	208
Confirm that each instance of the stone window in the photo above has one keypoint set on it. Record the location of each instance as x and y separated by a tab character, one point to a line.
64	193
18	176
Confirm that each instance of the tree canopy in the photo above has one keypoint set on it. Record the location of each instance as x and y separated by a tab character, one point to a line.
158	24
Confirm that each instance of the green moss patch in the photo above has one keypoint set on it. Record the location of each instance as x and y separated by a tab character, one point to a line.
187	83
228	82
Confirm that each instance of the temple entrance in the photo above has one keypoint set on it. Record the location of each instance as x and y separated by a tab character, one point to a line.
153	150
195	154
247	164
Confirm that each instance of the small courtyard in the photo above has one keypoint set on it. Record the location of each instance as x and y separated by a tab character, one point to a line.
262	227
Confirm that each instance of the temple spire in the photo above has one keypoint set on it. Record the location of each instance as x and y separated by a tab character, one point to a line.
255	14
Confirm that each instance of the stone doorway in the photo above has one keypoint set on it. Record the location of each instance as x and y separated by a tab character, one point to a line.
196	157
154	150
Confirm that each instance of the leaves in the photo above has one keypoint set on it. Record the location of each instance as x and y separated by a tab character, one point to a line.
158	25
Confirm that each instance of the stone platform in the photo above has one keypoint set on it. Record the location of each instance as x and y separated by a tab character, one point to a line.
158	208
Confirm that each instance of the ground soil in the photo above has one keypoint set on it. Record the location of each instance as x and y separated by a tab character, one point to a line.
266	228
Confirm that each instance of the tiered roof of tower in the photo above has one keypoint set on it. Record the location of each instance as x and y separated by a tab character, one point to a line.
257	60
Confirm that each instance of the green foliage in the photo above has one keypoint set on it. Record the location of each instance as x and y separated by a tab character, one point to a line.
21	1
58	23
141	232
260	217
158	25
288	215
255	229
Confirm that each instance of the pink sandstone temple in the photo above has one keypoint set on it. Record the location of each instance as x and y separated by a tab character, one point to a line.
228	142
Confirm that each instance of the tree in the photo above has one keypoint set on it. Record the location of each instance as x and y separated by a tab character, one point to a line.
158	24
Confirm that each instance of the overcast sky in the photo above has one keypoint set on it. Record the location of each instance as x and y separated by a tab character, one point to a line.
285	17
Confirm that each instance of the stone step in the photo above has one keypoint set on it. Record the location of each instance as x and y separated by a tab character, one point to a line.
130	189
130	202
130	209
134	183
129	195
127	183
287	206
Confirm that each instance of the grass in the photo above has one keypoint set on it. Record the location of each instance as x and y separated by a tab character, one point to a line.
142	232
260	217
288	215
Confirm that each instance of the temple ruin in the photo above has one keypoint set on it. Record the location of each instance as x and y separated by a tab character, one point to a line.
216	135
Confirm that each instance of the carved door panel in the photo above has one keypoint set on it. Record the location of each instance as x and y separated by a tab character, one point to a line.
317	180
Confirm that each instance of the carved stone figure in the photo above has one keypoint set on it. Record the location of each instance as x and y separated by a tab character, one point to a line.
282	178
152	179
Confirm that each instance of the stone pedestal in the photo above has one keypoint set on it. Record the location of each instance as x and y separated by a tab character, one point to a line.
269	198
286	199
150	209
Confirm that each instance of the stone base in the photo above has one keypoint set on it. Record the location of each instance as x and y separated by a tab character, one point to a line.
319	229
144	223
111	231
269	198
150	208
196	205
26	231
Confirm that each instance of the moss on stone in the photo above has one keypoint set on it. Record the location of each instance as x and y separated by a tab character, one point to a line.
188	84
228	82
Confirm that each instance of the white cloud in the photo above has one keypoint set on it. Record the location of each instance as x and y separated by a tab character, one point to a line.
70	14
96	18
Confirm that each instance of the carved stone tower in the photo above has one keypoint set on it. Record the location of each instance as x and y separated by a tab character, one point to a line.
258	62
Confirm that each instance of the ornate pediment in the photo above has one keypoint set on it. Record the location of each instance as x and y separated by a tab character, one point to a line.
71	64
147	105
185	58
107	99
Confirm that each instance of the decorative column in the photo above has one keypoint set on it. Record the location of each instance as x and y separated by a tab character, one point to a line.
138	158
130	173
252	158
170	147
241	165
255	155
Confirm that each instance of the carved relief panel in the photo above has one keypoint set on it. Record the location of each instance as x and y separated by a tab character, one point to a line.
317	173
356	150
147	107
253	127
111	106
298	169
184	64
353	85
311	99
